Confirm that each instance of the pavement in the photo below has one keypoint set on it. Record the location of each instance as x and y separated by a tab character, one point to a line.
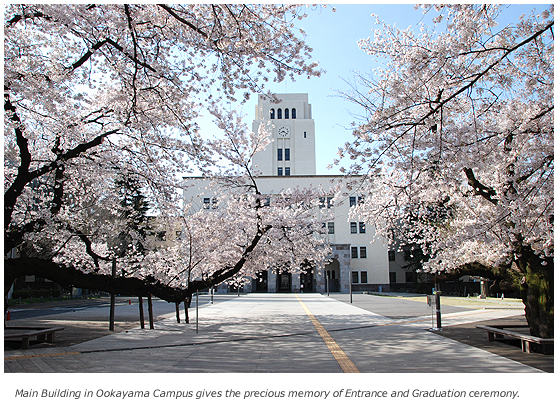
296	333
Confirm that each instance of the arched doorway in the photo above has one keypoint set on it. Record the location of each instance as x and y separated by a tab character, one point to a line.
331	275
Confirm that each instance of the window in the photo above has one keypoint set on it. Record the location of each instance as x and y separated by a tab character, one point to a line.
286	113
353	200
287	154
391	255
330	228
279	114
354	277
353	227
272	114
279	154
305	135
361	227
329	202
392	277
209	203
363	252
322	202
279	171
287	171
364	277
354	252
410	277
293	113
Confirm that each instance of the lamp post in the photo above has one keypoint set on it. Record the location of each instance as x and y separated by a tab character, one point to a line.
112	298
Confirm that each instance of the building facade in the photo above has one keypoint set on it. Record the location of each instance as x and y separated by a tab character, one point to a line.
288	162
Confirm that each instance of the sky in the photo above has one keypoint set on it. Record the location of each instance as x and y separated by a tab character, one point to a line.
334	37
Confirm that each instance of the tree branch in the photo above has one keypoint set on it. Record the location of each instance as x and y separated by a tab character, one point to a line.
480	189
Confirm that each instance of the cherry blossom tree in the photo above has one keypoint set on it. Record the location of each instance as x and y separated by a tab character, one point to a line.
457	145
241	231
96	92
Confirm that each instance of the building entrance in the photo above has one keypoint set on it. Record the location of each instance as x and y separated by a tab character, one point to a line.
261	282
307	280
331	276
283	282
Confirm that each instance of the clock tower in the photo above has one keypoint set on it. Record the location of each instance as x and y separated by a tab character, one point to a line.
292	151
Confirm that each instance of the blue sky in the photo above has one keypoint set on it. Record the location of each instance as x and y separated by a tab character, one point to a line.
334	37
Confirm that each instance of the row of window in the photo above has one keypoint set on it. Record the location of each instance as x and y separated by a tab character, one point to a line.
323	201
280	171
355	250
361	228
407	255
209	203
363	276
287	154
410	277
353	200
280	113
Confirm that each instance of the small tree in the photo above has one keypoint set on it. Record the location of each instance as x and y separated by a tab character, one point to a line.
463	111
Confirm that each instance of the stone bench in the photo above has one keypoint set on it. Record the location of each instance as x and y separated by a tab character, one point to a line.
526	340
24	333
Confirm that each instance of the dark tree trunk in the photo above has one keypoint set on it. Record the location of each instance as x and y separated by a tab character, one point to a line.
537	293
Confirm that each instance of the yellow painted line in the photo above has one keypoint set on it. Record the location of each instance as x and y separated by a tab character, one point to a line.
40	356
342	359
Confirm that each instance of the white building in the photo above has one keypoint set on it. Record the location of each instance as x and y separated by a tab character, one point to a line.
290	161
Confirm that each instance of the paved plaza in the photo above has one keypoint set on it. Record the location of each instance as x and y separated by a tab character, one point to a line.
285	333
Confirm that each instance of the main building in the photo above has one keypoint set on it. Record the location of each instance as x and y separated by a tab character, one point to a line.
290	161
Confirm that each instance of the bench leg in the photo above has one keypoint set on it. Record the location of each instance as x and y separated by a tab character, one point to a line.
25	342
526	346
491	336
50	337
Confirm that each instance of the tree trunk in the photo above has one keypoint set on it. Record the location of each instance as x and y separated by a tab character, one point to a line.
537	293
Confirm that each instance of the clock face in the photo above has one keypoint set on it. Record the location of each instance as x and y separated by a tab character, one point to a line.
283	131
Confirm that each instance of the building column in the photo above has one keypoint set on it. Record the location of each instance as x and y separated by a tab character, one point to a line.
295	282
271	281
343	256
